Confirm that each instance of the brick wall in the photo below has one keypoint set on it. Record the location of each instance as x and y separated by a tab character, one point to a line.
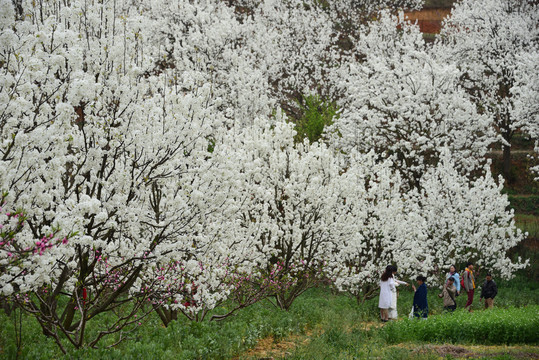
429	20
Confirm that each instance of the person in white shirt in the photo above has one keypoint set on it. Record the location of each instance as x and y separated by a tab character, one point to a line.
387	286
392	311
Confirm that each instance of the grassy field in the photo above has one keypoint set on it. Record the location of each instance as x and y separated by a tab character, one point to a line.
320	325
528	223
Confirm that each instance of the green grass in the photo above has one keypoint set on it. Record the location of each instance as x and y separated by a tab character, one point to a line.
525	204
186	340
496	326
337	328
528	223
181	340
345	338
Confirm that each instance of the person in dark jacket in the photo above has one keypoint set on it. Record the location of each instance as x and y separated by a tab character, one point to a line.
421	306
489	291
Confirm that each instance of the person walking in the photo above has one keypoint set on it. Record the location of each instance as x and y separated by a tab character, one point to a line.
448	294
454	274
392	311
489	290
421	306
387	286
468	281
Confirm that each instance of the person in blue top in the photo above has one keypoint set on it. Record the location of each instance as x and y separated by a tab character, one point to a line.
454	274
421	306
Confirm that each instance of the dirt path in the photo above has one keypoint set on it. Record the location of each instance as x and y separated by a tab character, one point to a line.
478	352
268	348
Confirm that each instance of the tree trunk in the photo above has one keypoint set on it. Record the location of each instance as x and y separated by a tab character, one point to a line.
166	315
507	133
507	164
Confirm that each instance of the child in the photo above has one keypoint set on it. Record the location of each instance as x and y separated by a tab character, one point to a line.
489	291
421	307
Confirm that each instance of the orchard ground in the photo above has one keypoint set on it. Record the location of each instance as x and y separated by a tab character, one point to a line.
320	325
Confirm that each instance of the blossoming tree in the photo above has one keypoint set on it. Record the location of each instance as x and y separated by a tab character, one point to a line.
297	213
526	94
96	140
486	39
143	149
401	100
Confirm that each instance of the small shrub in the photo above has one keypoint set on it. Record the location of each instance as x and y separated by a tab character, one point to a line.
316	114
496	326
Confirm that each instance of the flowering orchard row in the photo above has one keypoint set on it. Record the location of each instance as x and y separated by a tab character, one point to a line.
149	162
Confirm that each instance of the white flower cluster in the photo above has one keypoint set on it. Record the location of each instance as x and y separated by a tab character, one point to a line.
150	131
494	44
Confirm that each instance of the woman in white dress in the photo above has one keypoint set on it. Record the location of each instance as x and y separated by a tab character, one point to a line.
392	311
387	286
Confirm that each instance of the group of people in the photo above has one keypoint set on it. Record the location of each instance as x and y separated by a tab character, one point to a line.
452	288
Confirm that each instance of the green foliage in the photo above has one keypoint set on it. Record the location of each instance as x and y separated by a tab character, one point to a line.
354	334
533	271
529	224
525	204
517	292
316	114
336	343
522	141
496	326
181	340
436	4
211	144
337	327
